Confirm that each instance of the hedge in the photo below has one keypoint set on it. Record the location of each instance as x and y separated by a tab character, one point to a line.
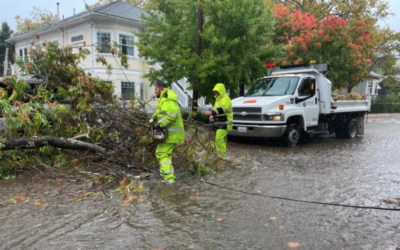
385	108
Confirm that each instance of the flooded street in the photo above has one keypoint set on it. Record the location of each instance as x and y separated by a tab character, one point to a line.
191	214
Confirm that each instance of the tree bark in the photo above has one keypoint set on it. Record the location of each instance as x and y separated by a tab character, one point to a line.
349	89
198	52
41	141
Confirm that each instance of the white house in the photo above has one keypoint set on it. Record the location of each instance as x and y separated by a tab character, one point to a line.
112	22
367	87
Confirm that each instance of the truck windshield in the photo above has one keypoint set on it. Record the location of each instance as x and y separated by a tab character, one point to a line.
274	86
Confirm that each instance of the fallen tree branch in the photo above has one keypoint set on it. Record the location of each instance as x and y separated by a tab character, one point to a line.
84	135
41	141
44	165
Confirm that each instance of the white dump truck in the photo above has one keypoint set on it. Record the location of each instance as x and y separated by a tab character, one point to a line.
294	103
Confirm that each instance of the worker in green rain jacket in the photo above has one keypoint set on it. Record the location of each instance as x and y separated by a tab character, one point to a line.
168	116
222	112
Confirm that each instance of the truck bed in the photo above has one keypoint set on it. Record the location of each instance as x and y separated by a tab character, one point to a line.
343	106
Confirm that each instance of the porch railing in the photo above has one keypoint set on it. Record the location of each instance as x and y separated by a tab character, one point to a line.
182	97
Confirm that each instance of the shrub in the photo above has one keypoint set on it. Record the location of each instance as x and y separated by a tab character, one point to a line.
386	104
385	107
391	98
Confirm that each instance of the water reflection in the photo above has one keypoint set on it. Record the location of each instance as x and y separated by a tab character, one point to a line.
188	214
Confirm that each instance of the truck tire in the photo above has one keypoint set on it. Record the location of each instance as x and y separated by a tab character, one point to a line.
292	136
350	130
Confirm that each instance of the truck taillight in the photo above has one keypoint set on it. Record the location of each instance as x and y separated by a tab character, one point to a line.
281	107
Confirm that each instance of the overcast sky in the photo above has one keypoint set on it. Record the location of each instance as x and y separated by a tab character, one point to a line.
10	8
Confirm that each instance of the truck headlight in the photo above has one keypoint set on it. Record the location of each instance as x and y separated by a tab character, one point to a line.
277	118
274	117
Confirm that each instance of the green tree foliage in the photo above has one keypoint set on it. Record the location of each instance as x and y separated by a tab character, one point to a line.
62	104
5	33
391	81
372	10
386	51
344	45
385	42
235	42
36	111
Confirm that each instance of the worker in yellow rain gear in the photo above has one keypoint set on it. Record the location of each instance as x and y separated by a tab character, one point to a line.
168	115
222	113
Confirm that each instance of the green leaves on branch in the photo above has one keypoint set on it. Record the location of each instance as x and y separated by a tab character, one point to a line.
58	78
345	45
234	44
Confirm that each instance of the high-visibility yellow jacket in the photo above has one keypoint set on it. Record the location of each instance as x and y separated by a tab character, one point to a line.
223	107
168	115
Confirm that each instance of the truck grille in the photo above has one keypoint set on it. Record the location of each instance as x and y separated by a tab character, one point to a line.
247	118
247	114
247	109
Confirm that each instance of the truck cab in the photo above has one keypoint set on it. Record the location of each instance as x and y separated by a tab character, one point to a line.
292	104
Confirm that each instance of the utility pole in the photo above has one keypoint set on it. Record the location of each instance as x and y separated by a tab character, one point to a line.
5	63
198	52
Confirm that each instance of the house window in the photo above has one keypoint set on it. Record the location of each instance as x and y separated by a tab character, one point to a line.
77	38
23	53
103	41
127	89
370	87
126	44
376	87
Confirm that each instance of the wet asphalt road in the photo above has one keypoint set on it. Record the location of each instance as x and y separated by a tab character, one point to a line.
190	214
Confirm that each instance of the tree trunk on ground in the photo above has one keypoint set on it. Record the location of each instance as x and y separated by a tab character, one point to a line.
41	141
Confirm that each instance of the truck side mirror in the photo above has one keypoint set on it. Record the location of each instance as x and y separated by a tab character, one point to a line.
301	99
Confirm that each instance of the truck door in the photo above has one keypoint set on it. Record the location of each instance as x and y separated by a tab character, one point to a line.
307	89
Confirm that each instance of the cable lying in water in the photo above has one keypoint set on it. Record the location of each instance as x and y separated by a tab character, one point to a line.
302	201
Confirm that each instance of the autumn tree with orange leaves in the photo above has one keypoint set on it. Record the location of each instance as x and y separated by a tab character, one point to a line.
345	45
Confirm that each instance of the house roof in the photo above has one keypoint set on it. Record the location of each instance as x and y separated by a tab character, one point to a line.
373	74
118	9
121	9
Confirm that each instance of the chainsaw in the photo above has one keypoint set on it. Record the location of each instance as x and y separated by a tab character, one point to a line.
159	134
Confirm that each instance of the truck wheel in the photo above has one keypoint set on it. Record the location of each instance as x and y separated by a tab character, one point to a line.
292	136
350	130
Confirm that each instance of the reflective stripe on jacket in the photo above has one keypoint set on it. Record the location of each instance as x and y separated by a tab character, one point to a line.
168	115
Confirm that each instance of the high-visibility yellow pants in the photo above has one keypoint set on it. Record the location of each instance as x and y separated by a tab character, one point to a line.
220	141
164	157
